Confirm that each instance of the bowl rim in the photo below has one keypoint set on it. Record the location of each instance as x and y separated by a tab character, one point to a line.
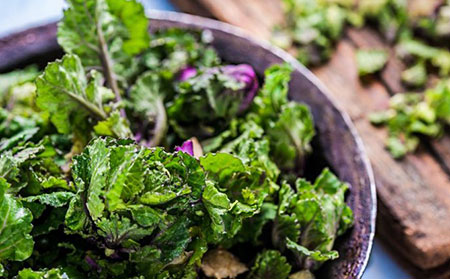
35	40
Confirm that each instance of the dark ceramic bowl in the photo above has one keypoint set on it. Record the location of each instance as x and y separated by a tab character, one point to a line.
337	139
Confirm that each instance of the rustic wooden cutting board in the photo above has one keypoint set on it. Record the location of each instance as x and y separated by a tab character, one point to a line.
414	193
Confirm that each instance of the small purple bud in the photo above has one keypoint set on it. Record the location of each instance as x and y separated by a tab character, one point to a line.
186	147
245	74
187	73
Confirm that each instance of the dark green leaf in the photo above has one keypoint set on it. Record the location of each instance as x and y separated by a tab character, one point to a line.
147	101
315	255
310	219
16	242
274	93
56	199
270	264
105	33
43	274
75	103
290	136
174	240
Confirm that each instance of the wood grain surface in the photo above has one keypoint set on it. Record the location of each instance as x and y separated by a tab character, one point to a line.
414	193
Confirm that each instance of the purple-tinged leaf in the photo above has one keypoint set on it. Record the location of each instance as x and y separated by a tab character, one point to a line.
186	147
245	74
187	73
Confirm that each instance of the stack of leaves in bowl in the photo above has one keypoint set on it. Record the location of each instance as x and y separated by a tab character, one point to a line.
139	157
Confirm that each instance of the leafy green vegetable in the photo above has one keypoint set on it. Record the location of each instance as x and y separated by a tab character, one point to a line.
252	147
174	50
274	92
412	49
290	136
62	89
15	129
147	101
414	31
313	27
115	126
252	228
289	125
55	199
415	76
50	274
14	79
32	168
411	115
131	15
72	101
118	178
270	264
315	255
245	186
105	34
209	99
370	61
309	220
16	243
20	119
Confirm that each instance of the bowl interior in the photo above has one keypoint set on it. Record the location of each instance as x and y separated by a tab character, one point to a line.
341	147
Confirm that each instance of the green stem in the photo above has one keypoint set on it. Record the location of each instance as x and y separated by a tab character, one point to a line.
79	99
108	67
160	125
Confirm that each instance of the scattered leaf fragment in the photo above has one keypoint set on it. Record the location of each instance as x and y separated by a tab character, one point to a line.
370	61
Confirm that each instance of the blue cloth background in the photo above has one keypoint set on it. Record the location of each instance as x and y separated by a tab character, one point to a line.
16	15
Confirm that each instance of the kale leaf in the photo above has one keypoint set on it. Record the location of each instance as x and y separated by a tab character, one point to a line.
75	103
16	243
207	101
270	264
413	114
289	125
147	102
127	193
106	34
370	61
309	220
